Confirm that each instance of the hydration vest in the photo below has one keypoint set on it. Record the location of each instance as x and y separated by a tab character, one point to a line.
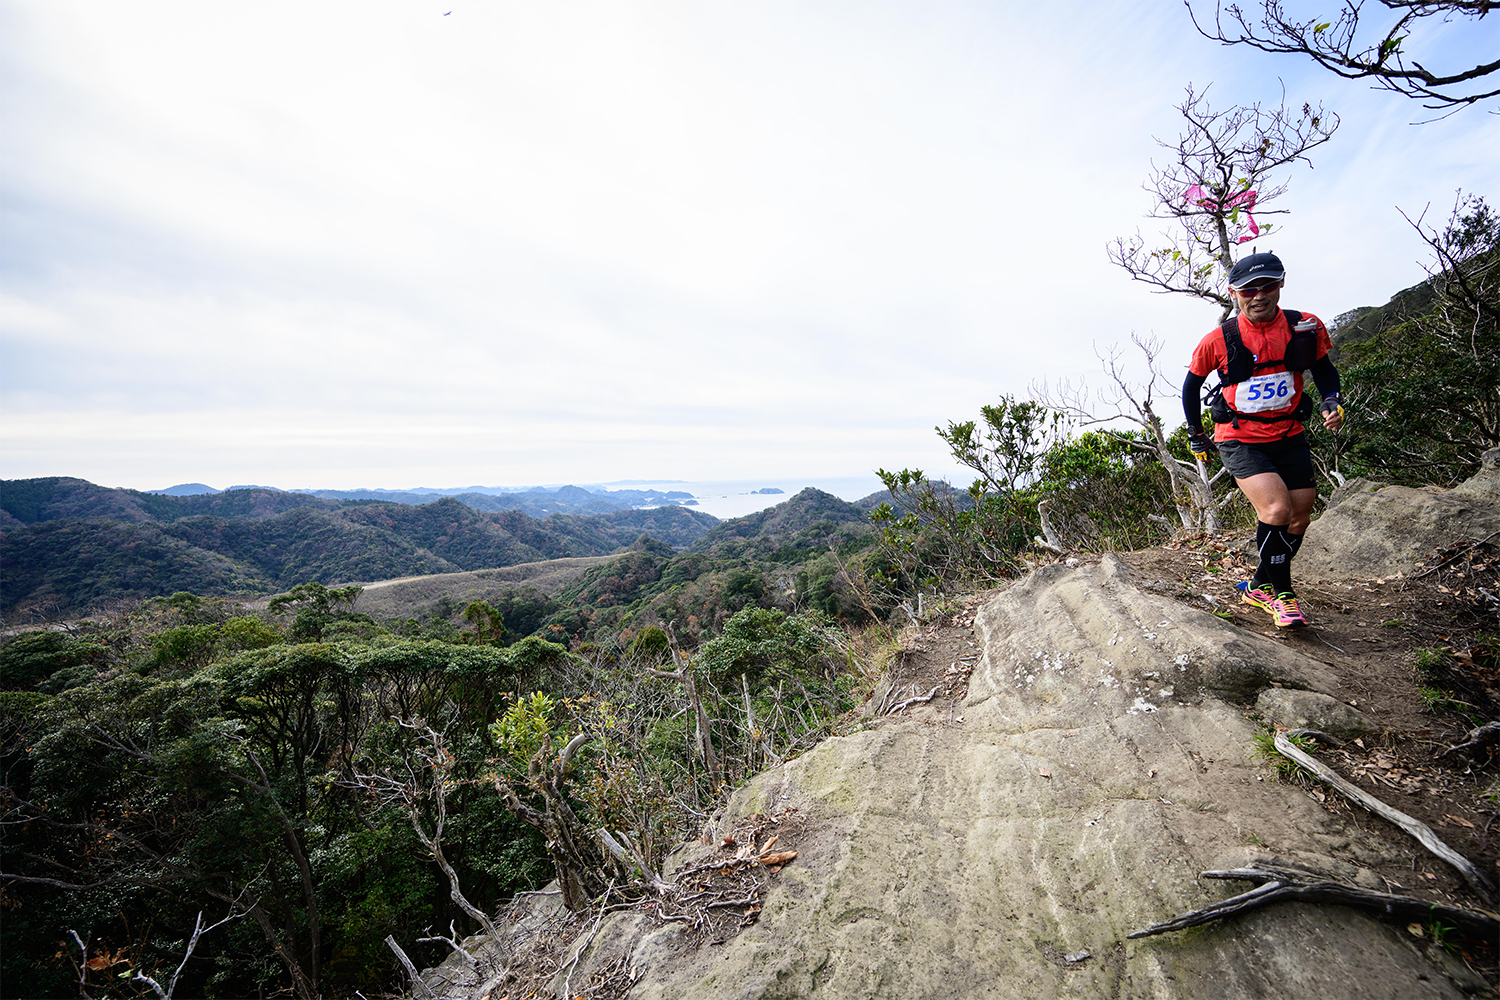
1240	364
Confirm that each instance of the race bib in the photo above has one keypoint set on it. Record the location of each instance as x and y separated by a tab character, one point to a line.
1260	393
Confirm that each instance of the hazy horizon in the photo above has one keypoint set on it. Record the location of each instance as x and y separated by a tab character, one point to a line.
723	499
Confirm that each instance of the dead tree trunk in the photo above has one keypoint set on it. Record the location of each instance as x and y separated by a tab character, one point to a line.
579	862
704	735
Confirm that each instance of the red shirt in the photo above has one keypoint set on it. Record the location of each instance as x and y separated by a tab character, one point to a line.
1264	340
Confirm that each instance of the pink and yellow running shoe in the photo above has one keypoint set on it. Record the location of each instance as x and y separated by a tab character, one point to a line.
1287	612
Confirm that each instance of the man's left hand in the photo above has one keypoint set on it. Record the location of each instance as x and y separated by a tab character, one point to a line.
1333	413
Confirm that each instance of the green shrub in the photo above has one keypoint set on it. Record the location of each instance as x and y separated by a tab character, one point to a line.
32	657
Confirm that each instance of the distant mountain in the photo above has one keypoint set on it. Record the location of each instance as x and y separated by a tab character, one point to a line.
185	490
32	501
539	501
804	526
29	501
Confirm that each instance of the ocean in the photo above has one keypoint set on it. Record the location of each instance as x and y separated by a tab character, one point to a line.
727	498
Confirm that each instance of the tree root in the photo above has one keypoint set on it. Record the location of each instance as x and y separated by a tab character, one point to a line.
1481	741
1421	831
1278	883
920	699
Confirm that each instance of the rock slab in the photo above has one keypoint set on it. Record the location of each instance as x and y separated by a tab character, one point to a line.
1101	762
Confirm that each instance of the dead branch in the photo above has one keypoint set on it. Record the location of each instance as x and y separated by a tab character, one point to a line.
914	701
435	763
1279	883
1421	831
198	931
451	940
625	852
83	965
1049	538
411	970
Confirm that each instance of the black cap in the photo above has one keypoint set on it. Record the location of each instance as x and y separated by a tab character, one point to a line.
1256	267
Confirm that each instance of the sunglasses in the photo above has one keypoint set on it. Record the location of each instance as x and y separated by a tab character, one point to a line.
1251	291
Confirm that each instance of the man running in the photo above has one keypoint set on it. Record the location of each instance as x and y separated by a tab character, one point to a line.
1260	355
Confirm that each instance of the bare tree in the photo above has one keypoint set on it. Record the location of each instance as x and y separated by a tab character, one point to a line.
579	859
422	773
1380	50
1219	177
703	744
1192	485
198	931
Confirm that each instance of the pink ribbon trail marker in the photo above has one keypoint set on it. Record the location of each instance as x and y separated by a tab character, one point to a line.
1245	200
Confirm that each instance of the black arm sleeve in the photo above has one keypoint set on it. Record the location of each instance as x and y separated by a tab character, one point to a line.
1192	407
1326	376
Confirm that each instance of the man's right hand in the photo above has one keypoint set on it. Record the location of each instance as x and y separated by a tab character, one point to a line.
1200	445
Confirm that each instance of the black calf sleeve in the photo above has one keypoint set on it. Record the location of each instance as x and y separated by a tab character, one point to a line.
1296	542
1276	550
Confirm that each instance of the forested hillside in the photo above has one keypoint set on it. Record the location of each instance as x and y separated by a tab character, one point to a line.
810	521
31	501
68	545
277	769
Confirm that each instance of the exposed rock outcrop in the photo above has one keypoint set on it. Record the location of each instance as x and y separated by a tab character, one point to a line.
1311	710
1372	530
1093	771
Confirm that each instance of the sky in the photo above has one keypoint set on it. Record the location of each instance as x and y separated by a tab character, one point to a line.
378	244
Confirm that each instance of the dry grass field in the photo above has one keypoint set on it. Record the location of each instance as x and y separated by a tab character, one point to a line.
407	596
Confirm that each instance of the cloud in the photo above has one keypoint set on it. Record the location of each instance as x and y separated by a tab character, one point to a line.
367	244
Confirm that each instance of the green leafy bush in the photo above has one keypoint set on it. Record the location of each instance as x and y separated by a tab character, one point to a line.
33	657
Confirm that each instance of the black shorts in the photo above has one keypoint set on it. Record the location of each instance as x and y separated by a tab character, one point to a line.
1290	458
